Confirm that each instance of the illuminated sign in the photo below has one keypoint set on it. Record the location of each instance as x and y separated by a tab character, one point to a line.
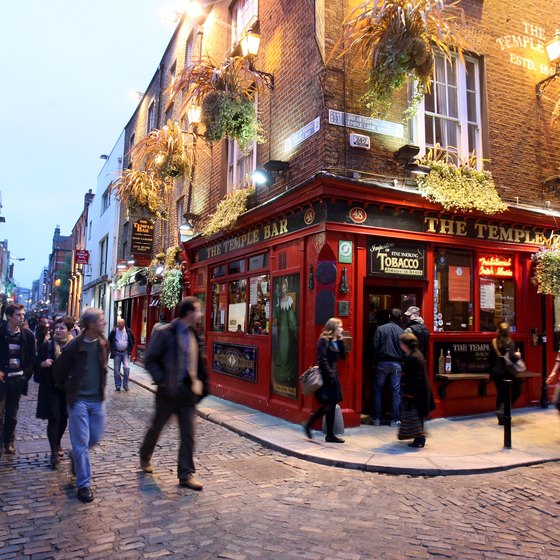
81	256
498	267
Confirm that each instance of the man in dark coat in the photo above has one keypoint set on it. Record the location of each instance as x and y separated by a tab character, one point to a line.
417	327
121	343
81	371
176	361
17	360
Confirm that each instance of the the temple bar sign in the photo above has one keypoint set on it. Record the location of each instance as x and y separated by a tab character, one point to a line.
142	237
390	258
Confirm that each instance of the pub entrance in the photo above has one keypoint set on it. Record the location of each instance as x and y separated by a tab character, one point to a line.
379	300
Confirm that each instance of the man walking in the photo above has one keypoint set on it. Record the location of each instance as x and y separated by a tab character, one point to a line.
417	327
81	370
121	342
387	355
175	359
17	358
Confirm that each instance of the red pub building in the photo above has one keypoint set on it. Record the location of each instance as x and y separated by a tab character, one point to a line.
342	229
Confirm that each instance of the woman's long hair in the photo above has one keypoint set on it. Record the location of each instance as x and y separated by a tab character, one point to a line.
503	336
330	328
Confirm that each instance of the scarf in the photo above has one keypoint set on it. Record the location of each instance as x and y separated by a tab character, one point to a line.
60	343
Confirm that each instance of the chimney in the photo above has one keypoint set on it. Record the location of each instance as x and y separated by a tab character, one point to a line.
88	197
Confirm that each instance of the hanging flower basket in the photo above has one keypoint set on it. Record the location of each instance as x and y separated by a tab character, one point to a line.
460	187
171	288
546	275
228	211
226	93
398	39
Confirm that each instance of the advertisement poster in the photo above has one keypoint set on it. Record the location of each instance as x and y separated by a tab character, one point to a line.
285	334
390	258
459	283
235	360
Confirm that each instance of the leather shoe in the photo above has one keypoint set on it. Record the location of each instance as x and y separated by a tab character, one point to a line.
85	494
421	442
55	461
191	482
146	466
333	439
118	389
307	430
10	449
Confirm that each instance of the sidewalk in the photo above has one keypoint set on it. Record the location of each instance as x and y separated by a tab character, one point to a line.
460	445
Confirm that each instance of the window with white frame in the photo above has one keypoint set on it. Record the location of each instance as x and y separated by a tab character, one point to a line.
450	114
242	12
151	116
180	212
240	165
103	251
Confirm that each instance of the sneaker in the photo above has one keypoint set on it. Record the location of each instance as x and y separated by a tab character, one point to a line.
191	482
85	494
118	389
146	466
395	423
376	422
126	389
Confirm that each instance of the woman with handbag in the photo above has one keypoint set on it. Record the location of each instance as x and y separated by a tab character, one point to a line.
417	397
553	378
330	348
503	345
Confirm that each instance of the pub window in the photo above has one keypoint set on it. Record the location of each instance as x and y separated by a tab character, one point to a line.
236	267
497	291
201	296
237	308
258	261
219	297
218	271
453	290
259	304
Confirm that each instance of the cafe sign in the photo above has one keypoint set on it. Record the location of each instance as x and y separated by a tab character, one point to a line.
495	267
390	258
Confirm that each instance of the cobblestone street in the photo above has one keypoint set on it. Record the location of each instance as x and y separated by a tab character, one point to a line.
258	504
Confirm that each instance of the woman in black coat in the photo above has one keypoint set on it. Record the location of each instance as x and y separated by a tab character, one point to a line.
417	396
501	345
330	348
51	402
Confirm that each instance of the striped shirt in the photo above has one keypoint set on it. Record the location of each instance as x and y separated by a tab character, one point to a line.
14	352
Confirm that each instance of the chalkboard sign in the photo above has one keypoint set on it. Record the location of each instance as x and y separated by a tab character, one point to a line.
467	357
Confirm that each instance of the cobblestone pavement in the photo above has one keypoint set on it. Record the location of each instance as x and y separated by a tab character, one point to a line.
259	504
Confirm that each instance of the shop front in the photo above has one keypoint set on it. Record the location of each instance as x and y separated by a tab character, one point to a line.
334	247
131	303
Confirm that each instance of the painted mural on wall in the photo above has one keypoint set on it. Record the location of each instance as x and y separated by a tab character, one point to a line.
285	334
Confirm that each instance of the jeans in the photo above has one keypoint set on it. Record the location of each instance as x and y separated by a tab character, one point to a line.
9	406
167	405
384	370
124	359
86	421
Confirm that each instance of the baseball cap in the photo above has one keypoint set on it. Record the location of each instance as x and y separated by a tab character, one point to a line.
412	312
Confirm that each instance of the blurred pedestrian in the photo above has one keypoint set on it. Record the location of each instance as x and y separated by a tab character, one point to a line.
330	348
417	397
162	321
17	357
415	325
121	343
51	401
554	378
499	373
42	332
175	359
81	371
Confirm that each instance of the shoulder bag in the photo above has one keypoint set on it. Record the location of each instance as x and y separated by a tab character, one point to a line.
311	380
513	367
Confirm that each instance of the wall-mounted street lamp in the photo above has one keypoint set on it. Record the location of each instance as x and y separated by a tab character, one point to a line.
136	95
17	258
406	158
267	177
553	52
249	43
187	227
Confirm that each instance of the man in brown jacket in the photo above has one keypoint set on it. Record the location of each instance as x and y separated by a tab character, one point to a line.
81	370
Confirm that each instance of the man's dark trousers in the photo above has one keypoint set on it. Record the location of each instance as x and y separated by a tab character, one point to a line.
9	406
166	405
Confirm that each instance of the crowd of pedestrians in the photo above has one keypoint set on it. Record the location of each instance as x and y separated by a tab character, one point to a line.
69	362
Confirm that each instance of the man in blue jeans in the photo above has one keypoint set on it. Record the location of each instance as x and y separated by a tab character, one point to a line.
81	370
121	343
387	355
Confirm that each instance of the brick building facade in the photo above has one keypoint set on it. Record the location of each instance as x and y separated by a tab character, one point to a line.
313	237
